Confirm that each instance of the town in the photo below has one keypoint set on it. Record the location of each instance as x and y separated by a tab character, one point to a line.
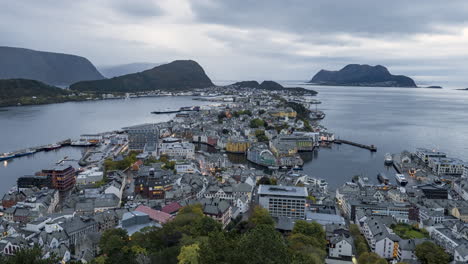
234	157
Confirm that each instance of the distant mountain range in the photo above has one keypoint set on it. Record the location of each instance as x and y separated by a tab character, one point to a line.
362	75
175	76
48	67
119	70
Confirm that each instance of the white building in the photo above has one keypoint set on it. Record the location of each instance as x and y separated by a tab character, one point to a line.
90	176
341	246
177	150
446	166
288	201
425	154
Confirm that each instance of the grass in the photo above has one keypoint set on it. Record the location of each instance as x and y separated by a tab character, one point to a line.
406	231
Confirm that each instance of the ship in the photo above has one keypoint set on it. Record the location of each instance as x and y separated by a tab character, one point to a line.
382	178
401	179
6	156
52	147
24	153
388	159
317	115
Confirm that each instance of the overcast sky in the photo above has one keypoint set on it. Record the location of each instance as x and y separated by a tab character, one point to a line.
251	39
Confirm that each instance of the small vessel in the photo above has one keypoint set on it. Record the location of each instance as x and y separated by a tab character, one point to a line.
317	115
401	179
273	167
388	159
382	178
297	168
167	111
25	153
6	156
52	147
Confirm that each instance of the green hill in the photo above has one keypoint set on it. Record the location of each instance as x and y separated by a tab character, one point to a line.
178	75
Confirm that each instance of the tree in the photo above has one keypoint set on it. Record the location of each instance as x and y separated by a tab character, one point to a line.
29	256
261	216
359	241
256	123
371	258
263	244
429	253
189	254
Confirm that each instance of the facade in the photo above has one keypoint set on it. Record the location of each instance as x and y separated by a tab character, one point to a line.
425	154
303	141
152	182
178	150
139	136
341	246
34	181
260	154
237	145
62	177
446	166
288	201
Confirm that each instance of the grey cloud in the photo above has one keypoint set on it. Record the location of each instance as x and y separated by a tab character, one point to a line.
136	8
366	17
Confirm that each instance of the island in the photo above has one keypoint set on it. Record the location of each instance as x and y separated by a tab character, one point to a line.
362	75
47	67
272	86
178	75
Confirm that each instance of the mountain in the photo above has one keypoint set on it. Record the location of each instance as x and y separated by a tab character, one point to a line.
48	67
23	91
175	76
119	70
362	75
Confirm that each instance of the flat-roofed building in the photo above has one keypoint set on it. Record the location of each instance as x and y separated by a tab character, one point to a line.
140	135
283	201
425	154
446	166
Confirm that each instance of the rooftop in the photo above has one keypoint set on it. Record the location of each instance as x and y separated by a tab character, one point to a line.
282	190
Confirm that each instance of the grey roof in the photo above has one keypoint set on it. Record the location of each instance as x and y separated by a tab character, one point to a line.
462	249
282	190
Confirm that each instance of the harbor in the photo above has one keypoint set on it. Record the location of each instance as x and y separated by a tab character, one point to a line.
372	148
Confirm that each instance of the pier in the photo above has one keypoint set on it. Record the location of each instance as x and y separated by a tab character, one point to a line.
372	148
32	150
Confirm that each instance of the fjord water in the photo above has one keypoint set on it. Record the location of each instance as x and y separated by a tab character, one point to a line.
393	119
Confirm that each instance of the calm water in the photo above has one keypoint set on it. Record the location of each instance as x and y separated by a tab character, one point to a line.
393	119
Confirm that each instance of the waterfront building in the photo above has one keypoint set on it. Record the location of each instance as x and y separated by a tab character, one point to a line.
140	135
465	170
446	166
260	154
237	145
178	150
283	112
303	141
62	176
34	181
287	201
425	154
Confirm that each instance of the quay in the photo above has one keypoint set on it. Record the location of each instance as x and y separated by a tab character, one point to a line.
372	148
182	109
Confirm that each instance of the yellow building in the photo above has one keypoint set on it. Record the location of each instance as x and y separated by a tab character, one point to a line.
284	112
237	146
460	213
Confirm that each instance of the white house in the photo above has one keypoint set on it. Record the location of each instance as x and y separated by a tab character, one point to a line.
341	246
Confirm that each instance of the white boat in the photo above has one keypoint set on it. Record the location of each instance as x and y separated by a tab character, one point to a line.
388	159
401	179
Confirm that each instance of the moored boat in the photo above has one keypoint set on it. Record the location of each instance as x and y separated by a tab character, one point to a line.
382	178
388	159
52	147
6	156
401	179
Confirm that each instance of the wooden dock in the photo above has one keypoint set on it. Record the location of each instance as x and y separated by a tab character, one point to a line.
372	148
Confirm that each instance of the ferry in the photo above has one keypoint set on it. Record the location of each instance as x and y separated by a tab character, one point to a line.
52	147
6	156
25	153
388	159
401	179
382	178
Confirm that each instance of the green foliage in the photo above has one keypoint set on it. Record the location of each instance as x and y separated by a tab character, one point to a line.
429	253
243	112
359	240
312	199
189	254
261	216
110	164
261	111
256	123
371	258
406	231
225	131
302	111
263	244
29	256
261	137
307	242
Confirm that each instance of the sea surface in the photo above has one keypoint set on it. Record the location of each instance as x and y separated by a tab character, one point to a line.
393	119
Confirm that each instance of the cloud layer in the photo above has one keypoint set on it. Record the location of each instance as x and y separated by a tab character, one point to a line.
251	39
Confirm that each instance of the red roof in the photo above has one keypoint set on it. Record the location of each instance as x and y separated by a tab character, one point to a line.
156	215
171	208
